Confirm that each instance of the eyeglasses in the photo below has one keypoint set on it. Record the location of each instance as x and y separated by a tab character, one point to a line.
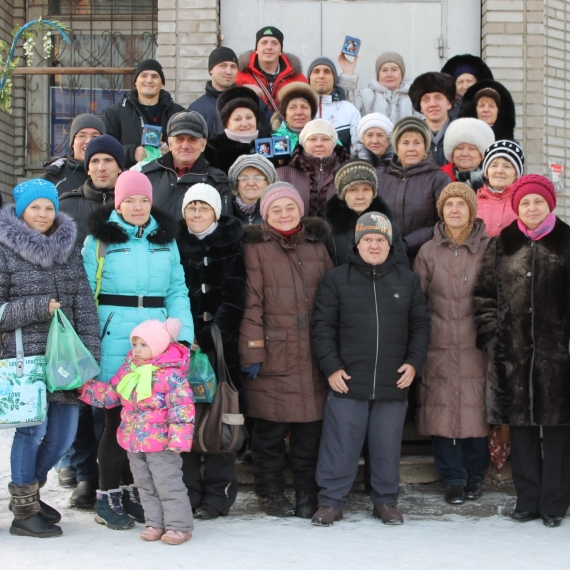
251	178
82	137
203	210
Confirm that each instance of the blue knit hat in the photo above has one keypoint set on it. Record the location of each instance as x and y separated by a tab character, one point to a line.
26	192
108	145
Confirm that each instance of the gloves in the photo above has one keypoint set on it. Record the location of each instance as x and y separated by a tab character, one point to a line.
252	370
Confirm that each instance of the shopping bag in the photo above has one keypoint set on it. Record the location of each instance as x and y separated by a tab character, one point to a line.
69	364
202	378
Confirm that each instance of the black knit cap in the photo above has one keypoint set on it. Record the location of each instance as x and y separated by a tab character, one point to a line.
234	97
107	145
271	32
221	55
149	65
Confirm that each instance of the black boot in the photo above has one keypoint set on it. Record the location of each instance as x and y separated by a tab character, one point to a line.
66	476
306	504
47	513
132	503
85	495
276	505
455	494
473	490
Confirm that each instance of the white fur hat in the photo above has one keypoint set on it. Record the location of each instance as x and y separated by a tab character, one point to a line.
470	131
374	120
204	193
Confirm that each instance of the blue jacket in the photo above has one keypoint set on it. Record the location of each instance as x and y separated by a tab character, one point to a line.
147	265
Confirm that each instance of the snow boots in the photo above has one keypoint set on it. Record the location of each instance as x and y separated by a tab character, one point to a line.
110	510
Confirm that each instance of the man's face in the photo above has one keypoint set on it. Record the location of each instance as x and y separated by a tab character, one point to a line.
268	50
81	140
224	75
322	79
434	106
149	83
373	248
186	149
103	170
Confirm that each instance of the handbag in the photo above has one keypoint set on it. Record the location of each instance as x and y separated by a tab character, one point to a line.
219	426
23	396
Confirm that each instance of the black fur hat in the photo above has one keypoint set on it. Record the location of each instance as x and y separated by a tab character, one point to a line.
234	97
504	128
467	63
431	82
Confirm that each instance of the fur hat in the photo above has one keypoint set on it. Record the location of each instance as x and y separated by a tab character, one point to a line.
105	144
390	57
322	61
157	334
355	172
467	63
505	149
149	65
318	127
373	223
26	192
298	90
131	183
431	82
468	130
235	97
203	193
532	184
86	121
412	124
490	93
275	192
251	161
374	120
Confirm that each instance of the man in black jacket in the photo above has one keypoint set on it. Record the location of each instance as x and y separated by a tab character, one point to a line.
371	333
147	104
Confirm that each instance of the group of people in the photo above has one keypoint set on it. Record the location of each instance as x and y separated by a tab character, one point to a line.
396	246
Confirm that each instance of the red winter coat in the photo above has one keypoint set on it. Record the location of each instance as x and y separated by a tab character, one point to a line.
449	169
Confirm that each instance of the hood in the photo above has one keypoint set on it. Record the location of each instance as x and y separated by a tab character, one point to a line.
375	85
247	59
315	229
342	219
428	164
477	235
175	355
228	232
33	246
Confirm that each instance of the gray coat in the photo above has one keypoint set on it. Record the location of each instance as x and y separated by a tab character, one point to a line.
35	268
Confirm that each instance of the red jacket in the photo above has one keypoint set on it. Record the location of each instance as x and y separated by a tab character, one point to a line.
449	169
250	75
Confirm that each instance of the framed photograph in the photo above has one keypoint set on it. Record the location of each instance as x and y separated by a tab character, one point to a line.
264	147
281	146
151	136
351	46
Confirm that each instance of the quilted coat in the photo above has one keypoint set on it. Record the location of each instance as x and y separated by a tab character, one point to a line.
495	209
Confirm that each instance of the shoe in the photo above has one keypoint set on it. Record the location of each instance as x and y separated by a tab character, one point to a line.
326	516
66	476
524	516
35	526
85	495
206	512
47	513
132	503
151	534
551	522
276	505
454	494
246	458
388	514
473	490
110	510
175	537
306	504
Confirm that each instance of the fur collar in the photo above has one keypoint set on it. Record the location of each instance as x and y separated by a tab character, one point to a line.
375	85
293	61
33	246
316	229
110	232
512	239
228	233
342	219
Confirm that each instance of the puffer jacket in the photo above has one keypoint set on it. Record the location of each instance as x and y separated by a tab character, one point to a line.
452	390
165	420
282	281
495	209
66	173
35	268
138	262
343	115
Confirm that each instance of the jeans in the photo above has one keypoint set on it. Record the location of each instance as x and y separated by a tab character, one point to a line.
37	449
460	460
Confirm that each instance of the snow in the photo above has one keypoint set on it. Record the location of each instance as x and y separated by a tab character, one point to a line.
434	536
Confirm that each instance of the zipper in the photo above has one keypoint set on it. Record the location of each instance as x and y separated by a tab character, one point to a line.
377	333
125	249
140	232
531	388
109	319
159	249
104	198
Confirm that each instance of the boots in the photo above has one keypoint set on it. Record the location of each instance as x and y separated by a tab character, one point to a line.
85	495
66	476
306	504
132	503
26	509
110	510
276	505
47	513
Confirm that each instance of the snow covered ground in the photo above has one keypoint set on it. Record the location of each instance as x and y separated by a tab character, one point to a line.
434	536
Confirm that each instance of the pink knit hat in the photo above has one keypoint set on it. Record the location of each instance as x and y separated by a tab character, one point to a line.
280	190
131	183
157	334
532	184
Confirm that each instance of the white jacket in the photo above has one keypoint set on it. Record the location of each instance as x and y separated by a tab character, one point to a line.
344	117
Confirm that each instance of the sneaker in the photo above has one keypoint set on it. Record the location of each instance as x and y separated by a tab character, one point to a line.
175	537
388	514
276	505
110	510
151	534
132	503
326	516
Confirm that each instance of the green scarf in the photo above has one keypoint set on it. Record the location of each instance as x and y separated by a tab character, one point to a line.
140	378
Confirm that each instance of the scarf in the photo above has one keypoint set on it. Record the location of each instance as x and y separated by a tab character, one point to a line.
139	378
544	229
205	233
245	139
462	237
287	234
247	209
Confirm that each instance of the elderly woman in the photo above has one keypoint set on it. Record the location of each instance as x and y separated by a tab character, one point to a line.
464	145
373	143
249	176
285	261
452	390
522	314
41	270
313	165
503	163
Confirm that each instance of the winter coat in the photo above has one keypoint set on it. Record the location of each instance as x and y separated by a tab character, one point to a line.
369	320
245	219
411	193
495	209
165	420
472	178
380	163
522	315
282	281
224	276
343	115
35	268
125	120
82	202
313	177
436	148
66	173
138	262
249	74
221	152
168	190
452	390
342	221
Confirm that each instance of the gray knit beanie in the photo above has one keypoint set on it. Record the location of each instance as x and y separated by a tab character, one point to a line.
373	223
86	121
412	124
322	61
252	161
390	56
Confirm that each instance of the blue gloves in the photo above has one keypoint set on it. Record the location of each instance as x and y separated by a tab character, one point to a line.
252	370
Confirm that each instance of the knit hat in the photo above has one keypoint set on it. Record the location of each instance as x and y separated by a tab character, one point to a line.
235	97
187	123
149	65
280	190
297	90
532	184
132	183
431	82
157	334
374	120
318	127
387	57
221	55
458	190
252	161
85	121
488	92
355	172
107	145
271	32
26	192
411	124
505	149
203	193
373	223
467	63
470	131
322	61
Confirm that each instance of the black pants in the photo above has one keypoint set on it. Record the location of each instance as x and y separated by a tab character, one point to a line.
541	476
270	458
217	486
460	460
114	466
84	449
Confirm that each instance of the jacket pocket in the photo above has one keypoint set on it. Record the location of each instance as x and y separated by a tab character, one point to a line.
275	362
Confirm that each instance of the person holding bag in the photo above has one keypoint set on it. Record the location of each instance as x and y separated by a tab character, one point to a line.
40	271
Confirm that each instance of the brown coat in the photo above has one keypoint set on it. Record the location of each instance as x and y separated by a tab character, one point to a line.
282	281
452	390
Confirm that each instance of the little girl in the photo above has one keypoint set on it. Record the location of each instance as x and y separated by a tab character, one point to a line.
157	424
